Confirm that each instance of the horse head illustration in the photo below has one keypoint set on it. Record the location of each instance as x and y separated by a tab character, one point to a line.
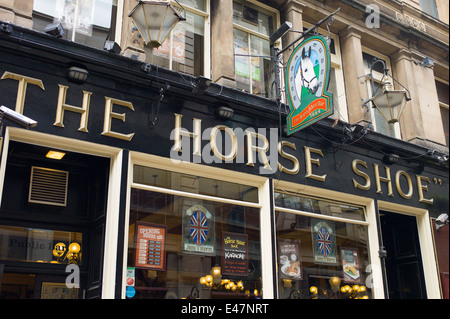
305	76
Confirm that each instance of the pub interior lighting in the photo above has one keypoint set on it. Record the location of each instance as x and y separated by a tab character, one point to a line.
390	102
155	20
55	29
77	74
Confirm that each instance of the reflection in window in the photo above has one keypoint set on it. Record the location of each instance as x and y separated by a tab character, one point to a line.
321	257
90	22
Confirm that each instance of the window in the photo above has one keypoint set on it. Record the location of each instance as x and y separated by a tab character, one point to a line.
379	123
186	50
192	237
90	22
322	249
336	84
442	91
252	26
429	6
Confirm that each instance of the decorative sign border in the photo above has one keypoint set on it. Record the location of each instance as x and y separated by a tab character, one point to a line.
307	78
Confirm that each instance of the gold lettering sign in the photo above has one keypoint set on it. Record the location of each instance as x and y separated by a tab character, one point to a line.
366	186
315	161
296	168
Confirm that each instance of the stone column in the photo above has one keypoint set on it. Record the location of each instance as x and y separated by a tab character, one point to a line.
355	82
421	121
222	44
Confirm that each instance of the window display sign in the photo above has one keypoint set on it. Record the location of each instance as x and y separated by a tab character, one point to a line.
289	259
235	254
324	242
198	230
350	265
150	246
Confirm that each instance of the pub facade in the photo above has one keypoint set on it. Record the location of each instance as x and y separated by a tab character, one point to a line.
146	181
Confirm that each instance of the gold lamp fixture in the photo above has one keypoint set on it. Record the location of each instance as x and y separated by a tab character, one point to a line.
389	102
156	19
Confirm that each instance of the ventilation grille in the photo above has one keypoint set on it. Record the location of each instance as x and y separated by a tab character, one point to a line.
48	186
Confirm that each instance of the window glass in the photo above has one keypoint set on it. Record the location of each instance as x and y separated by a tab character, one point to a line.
184	49
194	184
182	247
40	245
90	22
318	206
253	62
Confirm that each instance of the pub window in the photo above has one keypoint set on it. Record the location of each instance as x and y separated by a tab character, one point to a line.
379	123
186	50
322	249
90	22
336	84
192	237
252	26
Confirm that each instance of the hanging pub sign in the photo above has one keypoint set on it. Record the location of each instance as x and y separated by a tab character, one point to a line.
235	254
198	230
307	77
324	242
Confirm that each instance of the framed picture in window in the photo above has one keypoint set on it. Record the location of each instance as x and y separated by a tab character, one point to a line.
350	264
289	259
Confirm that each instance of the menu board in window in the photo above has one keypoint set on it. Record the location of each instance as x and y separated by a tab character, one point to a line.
235	254
150	246
289	259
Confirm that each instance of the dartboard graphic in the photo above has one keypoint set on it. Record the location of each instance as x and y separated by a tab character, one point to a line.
198	227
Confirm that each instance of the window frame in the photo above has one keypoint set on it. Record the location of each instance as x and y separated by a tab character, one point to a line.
257	34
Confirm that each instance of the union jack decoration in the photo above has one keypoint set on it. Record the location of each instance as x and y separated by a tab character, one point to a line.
199	227
324	241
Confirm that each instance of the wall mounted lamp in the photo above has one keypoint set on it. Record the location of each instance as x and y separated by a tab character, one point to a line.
155	19
55	29
390	102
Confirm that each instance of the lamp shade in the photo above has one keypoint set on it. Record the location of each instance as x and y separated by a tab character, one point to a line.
154	20
390	103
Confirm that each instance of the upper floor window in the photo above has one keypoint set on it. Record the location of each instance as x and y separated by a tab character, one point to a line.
253	23
379	123
186	50
90	22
